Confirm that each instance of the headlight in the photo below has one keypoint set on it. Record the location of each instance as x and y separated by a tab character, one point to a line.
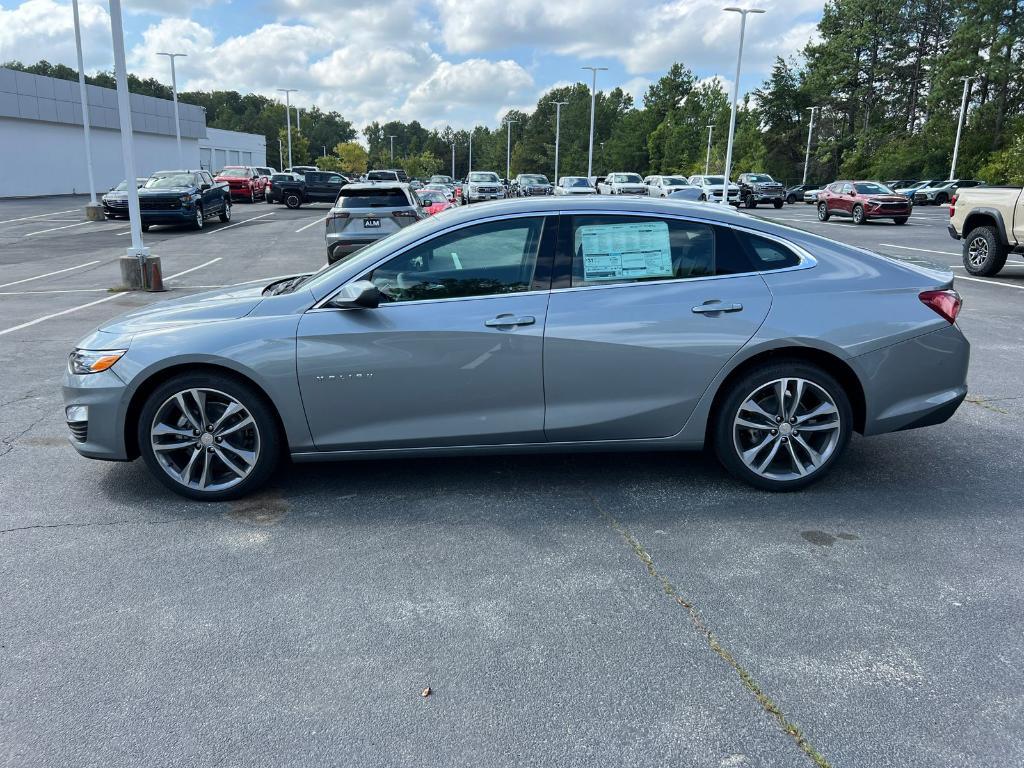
83	361
185	198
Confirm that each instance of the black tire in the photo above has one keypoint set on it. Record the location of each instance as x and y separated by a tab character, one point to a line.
723	433
268	199
989	254
293	200
900	220
941	199
261	411
791	199
225	215
823	214
200	218
778	204
750	202
858	215
145	227
703	197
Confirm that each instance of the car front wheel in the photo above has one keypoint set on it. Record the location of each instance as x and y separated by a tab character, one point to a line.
783	426
225	215
858	215
199	219
208	436
777	203
823	214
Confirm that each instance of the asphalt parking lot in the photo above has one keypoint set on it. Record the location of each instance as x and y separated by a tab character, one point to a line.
590	610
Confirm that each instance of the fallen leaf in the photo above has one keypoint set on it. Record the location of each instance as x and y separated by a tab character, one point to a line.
426	692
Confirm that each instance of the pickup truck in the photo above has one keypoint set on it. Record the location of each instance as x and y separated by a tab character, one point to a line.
313	187
990	222
183	197
622	184
760	188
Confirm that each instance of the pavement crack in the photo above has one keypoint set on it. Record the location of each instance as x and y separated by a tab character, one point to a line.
86	525
702	627
987	404
7	443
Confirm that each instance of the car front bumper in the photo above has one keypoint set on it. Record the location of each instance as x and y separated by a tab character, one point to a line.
101	435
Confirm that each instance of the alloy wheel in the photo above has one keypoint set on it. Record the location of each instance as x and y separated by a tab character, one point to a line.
205	439
977	252
199	217
786	429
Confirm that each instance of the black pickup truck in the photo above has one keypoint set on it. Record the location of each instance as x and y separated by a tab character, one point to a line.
760	188
183	197
314	187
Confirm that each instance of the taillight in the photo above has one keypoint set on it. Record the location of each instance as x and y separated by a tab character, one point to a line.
404	214
335	215
952	206
945	303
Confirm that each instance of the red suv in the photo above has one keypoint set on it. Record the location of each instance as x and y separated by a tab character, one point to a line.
862	200
244	181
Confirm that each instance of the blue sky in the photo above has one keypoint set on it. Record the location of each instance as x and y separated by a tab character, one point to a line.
457	62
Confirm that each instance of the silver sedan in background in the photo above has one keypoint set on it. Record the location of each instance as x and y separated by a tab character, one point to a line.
532	325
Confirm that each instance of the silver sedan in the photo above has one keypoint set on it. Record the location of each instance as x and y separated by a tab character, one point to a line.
530	325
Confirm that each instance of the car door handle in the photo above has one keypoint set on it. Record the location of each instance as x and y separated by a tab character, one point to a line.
715	306
507	321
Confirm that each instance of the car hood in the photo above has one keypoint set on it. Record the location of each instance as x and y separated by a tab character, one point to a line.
165	191
198	308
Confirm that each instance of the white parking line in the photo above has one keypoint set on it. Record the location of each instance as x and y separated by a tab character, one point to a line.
307	226
54	229
54	290
922	250
38	216
240	223
50	274
989	282
113	296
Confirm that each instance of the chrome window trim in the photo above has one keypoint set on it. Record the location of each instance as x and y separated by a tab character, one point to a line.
807	261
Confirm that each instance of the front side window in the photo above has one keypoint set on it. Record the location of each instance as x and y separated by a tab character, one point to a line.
630	249
494	258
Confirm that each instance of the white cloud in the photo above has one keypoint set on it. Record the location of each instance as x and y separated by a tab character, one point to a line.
44	29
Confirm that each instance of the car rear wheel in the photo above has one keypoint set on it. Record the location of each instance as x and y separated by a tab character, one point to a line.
984	255
225	215
823	214
858	215
783	426
292	200
209	437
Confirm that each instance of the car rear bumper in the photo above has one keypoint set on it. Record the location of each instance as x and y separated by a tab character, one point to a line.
915	383
952	232
101	435
239	192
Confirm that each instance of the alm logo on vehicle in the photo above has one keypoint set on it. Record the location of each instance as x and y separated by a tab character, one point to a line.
343	376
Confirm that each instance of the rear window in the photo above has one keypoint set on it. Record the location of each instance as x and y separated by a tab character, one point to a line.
282	177
382	176
380	197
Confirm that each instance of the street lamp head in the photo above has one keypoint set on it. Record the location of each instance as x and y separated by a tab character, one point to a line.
744	10
172	55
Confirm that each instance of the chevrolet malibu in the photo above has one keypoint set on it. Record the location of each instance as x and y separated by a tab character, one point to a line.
547	324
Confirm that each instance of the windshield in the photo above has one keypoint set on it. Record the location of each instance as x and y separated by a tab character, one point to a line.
533	180
675	181
484	177
627	178
234	173
871	188
170	181
575	181
121	187
440	179
759	177
432	197
719	180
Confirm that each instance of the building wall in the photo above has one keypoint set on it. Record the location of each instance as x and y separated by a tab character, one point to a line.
221	148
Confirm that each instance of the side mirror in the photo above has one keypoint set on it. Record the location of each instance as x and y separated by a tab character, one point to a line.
204	187
361	294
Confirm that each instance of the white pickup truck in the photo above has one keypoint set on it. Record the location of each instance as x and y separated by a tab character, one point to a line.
990	222
622	184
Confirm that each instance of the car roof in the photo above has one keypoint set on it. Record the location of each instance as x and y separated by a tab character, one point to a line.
357	185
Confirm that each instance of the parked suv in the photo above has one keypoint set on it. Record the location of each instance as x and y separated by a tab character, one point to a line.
794	194
760	188
990	220
942	192
663	186
861	201
367	211
711	188
622	184
483	185
531	184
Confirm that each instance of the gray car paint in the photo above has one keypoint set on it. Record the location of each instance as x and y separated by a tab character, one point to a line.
859	307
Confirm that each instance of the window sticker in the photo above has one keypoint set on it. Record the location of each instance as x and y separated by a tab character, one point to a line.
625	251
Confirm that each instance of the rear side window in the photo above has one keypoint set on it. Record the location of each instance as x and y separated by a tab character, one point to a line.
765	254
631	249
372	197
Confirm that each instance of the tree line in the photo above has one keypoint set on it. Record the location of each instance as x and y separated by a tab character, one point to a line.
886	82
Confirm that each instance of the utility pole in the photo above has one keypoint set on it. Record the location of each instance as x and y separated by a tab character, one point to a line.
807	155
288	118
593	105
133	263
508	151
392	149
959	126
707	160
735	97
174	95
558	130
93	211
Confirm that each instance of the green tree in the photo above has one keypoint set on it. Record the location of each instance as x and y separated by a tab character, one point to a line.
353	158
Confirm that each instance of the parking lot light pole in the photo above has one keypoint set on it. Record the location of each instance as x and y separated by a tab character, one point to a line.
470	163
133	263
593	104
392	149
288	118
960	125
735	97
174	95
453	160
508	150
807	155
93	211
558	130
298	119
707	160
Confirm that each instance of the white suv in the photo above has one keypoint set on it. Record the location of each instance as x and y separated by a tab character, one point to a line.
622	184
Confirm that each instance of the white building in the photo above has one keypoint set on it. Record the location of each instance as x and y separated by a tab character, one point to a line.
43	146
